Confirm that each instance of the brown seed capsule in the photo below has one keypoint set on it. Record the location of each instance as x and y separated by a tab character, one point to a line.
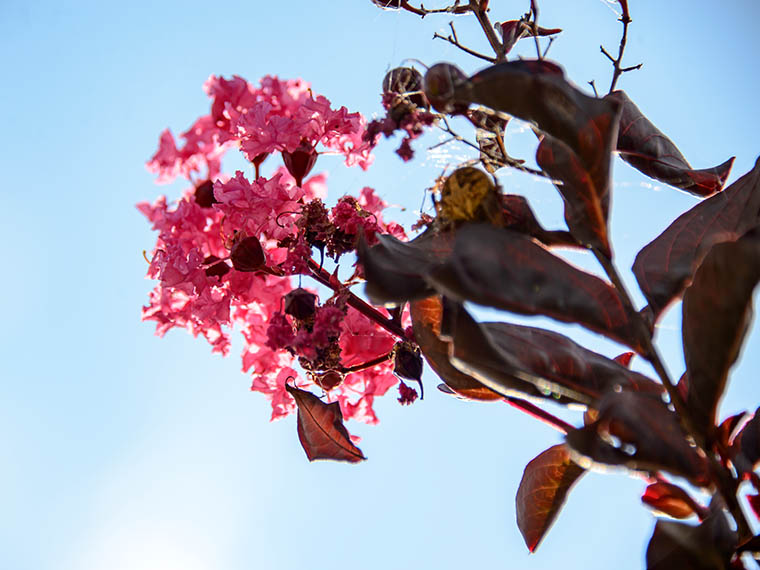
300	162
407	361
440	82
247	254
300	303
204	194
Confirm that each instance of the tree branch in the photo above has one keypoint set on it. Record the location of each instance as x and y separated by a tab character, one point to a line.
454	40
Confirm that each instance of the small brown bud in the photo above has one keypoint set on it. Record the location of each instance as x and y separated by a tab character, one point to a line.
215	266
327	380
300	162
407	361
405	80
441	80
204	194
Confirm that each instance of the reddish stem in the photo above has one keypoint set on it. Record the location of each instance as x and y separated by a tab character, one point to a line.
368	364
323	276
541	415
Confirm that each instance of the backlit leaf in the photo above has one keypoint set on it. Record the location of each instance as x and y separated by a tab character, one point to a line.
721	295
666	265
671	500
321	430
646	148
502	269
678	545
519	217
545	483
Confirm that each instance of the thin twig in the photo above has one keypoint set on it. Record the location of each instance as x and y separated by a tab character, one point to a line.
534	27
625	18
454	40
593	86
323	276
368	364
540	414
455	8
488	30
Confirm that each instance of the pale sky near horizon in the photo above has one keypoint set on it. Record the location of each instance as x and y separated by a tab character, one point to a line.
124	451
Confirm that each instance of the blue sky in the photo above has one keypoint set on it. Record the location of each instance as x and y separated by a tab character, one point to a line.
124	451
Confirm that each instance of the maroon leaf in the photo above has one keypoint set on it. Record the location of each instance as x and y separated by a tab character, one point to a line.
545	483
671	500
586	202
678	545
519	217
643	146
625	358
721	295
665	266
514	30
394	269
321	430
536	90
512	359
500	268
754	503
636	430
426	322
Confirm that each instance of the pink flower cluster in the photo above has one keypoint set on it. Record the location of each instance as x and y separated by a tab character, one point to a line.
227	250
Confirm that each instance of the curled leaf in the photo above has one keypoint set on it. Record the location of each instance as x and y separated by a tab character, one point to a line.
721	295
647	149
665	266
545	483
671	500
321	430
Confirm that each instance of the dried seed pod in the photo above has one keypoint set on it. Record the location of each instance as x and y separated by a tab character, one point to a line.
300	162
327	380
407	361
300	303
439	85
204	194
247	254
403	80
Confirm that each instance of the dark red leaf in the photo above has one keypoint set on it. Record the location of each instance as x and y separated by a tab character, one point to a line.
625	358
665	266
394	269
518	360
545	483
503	269
671	500
636	430
643	146
536	90
721	295
426	322
321	430
677	545
519	217
586	200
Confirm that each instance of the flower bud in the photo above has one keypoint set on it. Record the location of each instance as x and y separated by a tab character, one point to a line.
300	303
247	254
215	266
407	361
300	162
204	194
441	80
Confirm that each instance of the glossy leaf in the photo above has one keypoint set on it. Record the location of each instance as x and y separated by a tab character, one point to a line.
666	265
536	90
678	545
586	200
636	430
502	269
518	360
721	295
647	149
671	500
545	483
321	430
426	323
394	269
